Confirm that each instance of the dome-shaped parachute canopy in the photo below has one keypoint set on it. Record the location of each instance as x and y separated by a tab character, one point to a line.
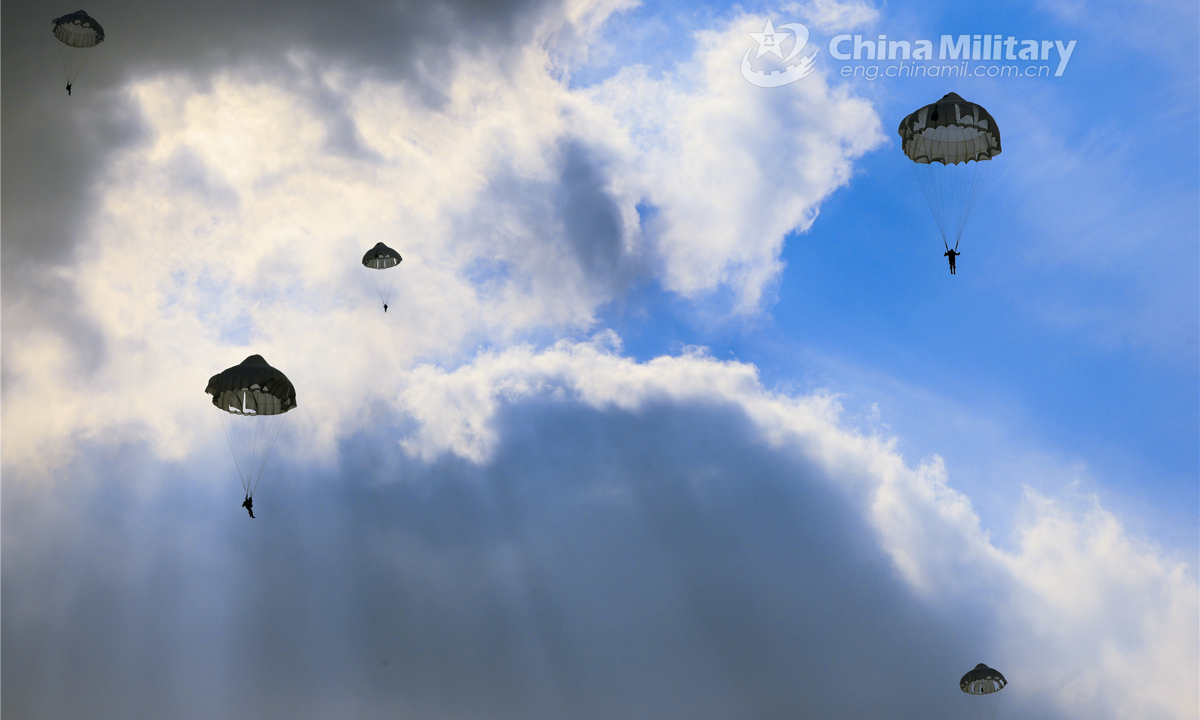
254	397
381	257
983	680
77	34
252	388
950	131
948	143
78	30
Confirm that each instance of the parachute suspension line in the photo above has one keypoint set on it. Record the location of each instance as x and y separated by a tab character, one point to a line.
384	297
67	55
86	57
255	460
62	55
249	436
251	439
955	179
984	707
951	191
972	183
226	425
927	180
278	423
254	453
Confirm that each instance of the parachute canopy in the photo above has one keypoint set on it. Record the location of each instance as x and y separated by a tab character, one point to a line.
983	680
78	30
381	257
950	131
77	33
948	143
254	396
252	388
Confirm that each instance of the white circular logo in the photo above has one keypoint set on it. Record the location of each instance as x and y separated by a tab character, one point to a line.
771	41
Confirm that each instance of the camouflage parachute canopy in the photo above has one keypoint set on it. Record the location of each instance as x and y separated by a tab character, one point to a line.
381	257
950	131
78	30
983	680
252	388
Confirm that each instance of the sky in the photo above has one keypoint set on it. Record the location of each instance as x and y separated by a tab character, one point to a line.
675	412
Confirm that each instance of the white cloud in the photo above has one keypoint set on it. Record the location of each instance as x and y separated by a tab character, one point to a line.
236	226
830	16
1097	622
456	409
729	167
1127	612
236	229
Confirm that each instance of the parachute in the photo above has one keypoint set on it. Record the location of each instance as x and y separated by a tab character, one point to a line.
983	685
949	143
382	257
77	33
253	397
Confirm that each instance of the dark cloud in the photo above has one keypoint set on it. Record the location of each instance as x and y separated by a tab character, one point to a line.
590	217
602	565
414	42
530	229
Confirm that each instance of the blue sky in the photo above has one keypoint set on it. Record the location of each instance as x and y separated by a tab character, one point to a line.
1067	358
676	410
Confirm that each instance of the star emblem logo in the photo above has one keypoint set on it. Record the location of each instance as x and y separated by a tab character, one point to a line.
769	41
